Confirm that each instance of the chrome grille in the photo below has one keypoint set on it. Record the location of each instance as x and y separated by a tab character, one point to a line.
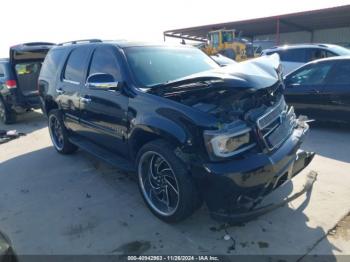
272	114
276	125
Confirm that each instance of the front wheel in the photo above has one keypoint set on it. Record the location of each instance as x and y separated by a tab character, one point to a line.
164	182
59	133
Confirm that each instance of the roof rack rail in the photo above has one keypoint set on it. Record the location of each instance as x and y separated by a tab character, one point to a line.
81	41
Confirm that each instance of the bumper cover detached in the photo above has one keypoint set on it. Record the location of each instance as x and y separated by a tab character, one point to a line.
256	211
233	190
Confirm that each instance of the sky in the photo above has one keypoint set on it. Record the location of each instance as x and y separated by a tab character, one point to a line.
64	20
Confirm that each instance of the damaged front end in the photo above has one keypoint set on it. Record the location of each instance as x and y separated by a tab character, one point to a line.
253	147
233	189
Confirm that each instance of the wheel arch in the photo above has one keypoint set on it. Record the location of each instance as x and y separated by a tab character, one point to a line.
49	104
143	134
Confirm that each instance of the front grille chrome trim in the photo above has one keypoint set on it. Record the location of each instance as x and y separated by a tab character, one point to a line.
267	123
272	114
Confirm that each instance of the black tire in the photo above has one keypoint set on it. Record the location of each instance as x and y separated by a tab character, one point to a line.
7	116
188	199
59	133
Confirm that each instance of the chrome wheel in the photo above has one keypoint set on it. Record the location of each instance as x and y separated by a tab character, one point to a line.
56	132
158	183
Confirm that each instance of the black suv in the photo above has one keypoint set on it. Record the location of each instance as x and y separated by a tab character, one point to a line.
191	130
19	78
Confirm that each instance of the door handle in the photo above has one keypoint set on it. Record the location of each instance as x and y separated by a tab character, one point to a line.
59	91
85	100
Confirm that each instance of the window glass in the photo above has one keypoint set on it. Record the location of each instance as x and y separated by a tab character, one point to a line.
104	61
314	74
51	62
2	73
28	69
341	74
76	63
227	36
330	54
156	65
319	53
215	39
293	55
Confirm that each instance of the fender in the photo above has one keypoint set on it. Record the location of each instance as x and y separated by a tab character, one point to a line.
151	128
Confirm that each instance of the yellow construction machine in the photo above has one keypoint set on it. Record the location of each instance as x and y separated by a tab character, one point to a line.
225	42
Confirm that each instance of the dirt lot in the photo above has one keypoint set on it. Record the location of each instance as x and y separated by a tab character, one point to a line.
54	204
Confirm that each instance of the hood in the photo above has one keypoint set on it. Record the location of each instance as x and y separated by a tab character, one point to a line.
250	75
228	93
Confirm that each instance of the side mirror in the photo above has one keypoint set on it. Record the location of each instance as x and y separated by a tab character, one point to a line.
102	81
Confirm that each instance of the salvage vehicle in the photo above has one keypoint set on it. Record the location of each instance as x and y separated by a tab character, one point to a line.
191	130
320	89
294	56
18	79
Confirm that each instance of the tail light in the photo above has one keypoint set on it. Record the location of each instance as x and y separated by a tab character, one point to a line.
11	84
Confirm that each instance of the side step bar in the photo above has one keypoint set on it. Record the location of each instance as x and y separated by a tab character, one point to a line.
107	156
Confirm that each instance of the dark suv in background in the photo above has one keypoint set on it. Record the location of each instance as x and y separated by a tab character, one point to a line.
18	79
190	129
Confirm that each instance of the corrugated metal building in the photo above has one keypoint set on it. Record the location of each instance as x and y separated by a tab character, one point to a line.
330	25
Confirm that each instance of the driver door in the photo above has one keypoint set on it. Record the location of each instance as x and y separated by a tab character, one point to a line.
103	111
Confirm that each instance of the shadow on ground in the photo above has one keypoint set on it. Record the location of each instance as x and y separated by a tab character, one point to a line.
77	204
27	122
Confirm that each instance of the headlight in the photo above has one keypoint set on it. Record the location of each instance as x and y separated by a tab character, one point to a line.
228	142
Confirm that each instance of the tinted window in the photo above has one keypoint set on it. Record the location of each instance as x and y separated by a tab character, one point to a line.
293	55
318	53
313	74
157	65
74	70
104	61
2	72
341	74
51	63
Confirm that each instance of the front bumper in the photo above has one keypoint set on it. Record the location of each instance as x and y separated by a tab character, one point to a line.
232	190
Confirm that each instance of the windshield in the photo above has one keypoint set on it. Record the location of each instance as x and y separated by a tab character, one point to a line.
157	65
339	50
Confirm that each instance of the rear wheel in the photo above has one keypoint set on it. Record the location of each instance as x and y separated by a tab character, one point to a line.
59	133
164	182
6	115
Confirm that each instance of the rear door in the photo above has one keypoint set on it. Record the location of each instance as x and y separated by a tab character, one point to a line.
304	89
337	92
70	85
104	112
26	60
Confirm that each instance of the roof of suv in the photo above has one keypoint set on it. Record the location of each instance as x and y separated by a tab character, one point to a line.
119	43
